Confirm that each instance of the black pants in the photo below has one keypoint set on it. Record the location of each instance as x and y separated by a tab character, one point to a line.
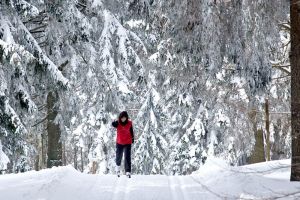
126	148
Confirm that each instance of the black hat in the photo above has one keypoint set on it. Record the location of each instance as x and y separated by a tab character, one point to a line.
123	114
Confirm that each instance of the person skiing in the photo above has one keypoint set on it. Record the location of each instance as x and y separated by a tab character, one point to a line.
124	139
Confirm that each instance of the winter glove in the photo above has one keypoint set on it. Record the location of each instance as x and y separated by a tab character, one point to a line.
115	124
132	140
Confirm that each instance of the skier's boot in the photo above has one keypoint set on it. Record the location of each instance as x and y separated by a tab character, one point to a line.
118	172
128	174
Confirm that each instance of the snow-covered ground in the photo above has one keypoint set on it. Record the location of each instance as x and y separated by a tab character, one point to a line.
214	181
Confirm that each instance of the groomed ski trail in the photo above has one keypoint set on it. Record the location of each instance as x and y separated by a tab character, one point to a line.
175	188
120	188
213	182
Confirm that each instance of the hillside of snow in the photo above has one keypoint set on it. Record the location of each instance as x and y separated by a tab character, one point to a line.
216	180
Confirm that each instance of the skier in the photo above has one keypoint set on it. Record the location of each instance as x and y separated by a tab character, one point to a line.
125	138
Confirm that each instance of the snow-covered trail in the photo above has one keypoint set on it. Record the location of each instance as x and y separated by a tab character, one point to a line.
214	181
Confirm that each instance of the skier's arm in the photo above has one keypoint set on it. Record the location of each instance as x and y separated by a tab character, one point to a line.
132	135
115	124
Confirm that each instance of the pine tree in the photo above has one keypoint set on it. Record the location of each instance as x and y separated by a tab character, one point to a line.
24	72
151	146
191	150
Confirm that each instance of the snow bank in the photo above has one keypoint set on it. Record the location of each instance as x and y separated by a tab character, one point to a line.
213	165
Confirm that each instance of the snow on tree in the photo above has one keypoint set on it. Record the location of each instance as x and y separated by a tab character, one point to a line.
105	65
4	160
190	151
211	63
151	147
23	78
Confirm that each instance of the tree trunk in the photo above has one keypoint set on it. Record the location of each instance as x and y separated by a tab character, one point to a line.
54	152
75	157
39	156
258	154
64	158
295	89
94	167
267	118
36	163
43	161
81	155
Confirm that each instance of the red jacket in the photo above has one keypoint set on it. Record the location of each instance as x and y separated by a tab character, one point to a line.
124	135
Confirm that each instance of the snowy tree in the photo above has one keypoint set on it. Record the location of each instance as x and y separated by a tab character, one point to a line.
194	71
151	147
23	81
191	149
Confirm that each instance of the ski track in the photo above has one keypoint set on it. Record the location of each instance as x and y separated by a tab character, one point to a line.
182	187
192	189
127	189
91	186
120	188
209	192
175	188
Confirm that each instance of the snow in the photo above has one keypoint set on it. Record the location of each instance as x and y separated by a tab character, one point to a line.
19	49
7	36
78	130
135	23
52	68
3	84
185	99
154	57
155	96
273	92
90	74
197	129
123	87
125	39
215	180
28	8
222	119
14	118
97	3
73	120
212	164
153	119
4	160
102	133
26	98
213	142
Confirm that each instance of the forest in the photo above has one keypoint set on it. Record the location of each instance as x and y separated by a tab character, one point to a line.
199	79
